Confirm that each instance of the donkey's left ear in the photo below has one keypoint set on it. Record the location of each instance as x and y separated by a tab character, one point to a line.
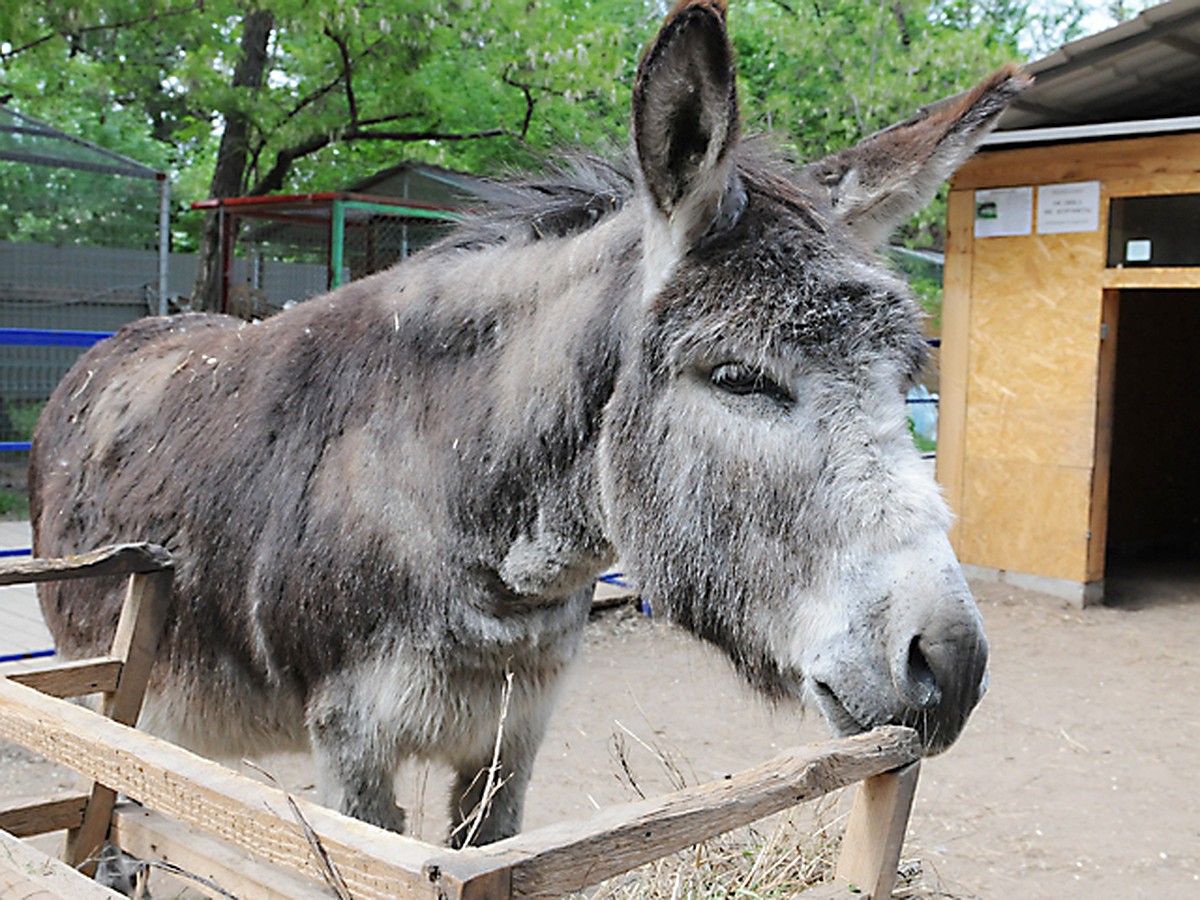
685	118
892	174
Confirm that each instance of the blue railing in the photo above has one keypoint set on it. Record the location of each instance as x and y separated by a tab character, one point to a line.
41	337
45	337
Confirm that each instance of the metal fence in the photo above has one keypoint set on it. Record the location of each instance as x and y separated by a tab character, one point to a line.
332	238
62	190
85	234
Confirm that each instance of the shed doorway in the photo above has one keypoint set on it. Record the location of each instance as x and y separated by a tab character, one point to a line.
1154	471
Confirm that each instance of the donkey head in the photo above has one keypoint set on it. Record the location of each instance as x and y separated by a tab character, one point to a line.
758	476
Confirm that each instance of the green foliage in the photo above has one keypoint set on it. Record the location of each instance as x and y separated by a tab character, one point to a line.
922	443
13	504
829	73
23	417
928	293
16	424
351	86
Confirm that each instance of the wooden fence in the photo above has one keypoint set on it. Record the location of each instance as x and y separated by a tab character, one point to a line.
256	841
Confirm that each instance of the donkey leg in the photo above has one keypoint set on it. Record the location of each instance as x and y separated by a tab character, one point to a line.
356	766
487	802
487	805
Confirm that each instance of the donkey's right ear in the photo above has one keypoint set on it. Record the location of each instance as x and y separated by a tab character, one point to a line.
890	175
685	118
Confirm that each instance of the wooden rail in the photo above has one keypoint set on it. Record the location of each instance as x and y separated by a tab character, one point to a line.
258	841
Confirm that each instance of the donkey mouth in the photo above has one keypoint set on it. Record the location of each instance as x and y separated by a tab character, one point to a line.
937	727
841	721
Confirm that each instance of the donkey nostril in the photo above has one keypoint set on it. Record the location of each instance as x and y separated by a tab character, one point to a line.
923	684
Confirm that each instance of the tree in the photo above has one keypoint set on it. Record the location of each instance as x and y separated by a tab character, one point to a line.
302	95
241	97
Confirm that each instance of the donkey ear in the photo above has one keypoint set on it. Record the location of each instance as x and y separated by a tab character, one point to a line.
685	116
892	174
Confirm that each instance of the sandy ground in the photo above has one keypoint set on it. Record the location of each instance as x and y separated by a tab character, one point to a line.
1079	775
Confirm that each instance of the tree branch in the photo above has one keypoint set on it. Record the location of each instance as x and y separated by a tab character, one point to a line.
902	23
330	86
530	101
195	6
273	179
431	135
347	71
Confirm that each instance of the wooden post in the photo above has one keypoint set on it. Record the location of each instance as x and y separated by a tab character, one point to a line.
142	617
870	856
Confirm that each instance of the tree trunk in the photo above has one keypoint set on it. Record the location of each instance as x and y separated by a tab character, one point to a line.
232	155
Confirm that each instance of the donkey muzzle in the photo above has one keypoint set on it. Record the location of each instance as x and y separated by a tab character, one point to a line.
925	663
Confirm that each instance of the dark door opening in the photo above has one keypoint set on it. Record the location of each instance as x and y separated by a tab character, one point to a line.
1154	474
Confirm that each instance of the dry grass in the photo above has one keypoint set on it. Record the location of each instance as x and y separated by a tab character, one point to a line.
777	857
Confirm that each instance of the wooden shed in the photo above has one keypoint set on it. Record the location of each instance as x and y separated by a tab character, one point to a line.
1070	395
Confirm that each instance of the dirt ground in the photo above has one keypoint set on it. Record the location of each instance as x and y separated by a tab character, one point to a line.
1079	775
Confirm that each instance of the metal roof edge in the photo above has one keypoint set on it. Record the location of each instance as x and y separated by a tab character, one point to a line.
126	165
1098	130
1137	27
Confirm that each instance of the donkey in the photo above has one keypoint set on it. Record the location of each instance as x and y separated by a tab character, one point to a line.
387	500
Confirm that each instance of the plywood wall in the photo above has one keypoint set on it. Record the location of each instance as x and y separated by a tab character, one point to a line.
1022	352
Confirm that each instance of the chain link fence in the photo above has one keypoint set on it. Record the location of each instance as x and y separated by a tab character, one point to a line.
82	233
283	250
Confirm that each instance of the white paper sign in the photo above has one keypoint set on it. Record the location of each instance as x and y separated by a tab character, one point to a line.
1063	208
1001	212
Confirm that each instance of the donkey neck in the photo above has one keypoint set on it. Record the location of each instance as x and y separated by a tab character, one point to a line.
554	312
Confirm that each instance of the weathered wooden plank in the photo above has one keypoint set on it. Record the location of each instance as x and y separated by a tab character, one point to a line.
203	794
556	860
31	816
28	874
608	595
75	678
122	559
143	615
870	854
471	874
149	835
374	863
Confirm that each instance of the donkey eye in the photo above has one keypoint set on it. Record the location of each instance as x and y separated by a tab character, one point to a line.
739	379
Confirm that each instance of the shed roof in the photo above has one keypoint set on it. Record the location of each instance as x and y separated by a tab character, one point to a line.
432	183
1144	69
24	139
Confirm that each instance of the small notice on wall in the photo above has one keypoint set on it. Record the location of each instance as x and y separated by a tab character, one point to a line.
1063	208
1003	212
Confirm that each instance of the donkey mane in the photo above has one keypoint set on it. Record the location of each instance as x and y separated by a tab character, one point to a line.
573	196
578	193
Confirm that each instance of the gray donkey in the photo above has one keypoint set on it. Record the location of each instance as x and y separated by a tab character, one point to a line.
386	499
